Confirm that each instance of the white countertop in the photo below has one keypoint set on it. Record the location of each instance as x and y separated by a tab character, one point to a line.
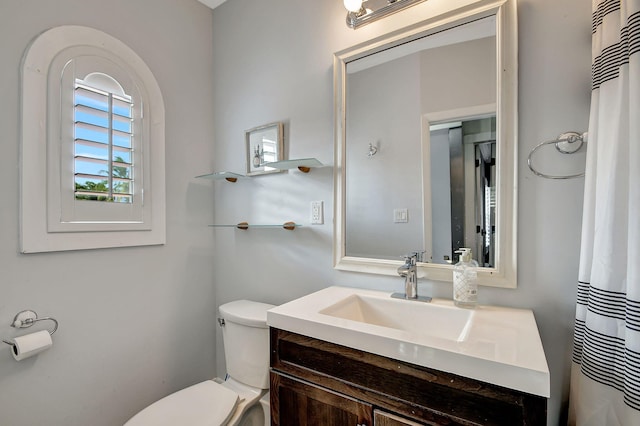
498	345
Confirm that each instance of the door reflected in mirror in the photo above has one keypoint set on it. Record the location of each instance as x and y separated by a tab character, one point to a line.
462	175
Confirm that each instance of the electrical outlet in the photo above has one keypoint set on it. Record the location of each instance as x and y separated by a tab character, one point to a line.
317	213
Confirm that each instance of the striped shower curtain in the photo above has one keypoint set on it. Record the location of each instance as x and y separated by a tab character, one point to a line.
605	377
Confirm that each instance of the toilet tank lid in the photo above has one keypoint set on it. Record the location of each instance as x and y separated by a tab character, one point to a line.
246	312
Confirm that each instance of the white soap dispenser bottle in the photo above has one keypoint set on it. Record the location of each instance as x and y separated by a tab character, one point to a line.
465	280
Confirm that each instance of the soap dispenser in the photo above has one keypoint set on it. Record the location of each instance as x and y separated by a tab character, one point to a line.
465	280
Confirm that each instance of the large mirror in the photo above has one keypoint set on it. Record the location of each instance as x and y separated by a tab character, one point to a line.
426	146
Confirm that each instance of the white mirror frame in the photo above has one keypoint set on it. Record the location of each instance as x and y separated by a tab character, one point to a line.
504	274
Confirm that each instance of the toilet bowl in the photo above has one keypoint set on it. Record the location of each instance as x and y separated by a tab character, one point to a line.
240	400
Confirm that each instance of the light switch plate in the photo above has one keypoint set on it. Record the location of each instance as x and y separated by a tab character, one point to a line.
400	216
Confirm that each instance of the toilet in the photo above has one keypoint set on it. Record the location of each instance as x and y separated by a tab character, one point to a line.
243	397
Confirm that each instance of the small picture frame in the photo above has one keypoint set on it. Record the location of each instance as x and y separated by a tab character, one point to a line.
264	145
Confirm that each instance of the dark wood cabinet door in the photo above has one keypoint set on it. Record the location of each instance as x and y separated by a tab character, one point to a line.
298	403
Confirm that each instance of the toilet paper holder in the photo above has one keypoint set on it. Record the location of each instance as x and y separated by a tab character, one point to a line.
27	318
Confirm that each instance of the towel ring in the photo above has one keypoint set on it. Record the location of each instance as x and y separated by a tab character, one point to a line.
27	318
566	143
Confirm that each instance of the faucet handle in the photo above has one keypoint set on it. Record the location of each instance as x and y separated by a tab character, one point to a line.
413	257
409	260
403	270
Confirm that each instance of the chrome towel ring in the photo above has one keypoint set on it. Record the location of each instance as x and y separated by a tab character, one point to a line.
566	143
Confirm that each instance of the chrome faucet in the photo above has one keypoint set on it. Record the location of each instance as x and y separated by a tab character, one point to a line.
410	273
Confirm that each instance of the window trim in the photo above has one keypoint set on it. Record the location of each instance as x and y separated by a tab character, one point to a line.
41	230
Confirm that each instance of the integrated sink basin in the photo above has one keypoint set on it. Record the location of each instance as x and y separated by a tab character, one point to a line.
493	344
429	319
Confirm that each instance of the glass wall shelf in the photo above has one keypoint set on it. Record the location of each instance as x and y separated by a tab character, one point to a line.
289	226
228	176
302	164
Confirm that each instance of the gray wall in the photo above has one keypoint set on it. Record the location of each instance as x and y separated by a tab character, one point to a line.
469	67
274	62
388	117
135	323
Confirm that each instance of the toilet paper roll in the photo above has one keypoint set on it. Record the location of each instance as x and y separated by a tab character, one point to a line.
31	344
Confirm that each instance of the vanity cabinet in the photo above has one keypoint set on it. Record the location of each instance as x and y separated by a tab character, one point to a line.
314	382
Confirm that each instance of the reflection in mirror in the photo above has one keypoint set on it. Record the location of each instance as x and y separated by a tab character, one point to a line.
462	164
425	146
450	69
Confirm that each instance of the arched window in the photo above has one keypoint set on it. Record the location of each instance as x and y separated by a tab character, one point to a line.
92	144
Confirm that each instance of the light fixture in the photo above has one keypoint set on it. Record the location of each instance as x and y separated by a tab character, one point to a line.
353	5
359	14
355	10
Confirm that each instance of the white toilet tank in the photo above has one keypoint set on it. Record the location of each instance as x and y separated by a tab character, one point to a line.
246	341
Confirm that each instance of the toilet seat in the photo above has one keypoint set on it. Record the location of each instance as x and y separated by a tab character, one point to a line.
203	404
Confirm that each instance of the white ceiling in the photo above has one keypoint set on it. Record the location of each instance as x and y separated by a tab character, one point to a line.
212	3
